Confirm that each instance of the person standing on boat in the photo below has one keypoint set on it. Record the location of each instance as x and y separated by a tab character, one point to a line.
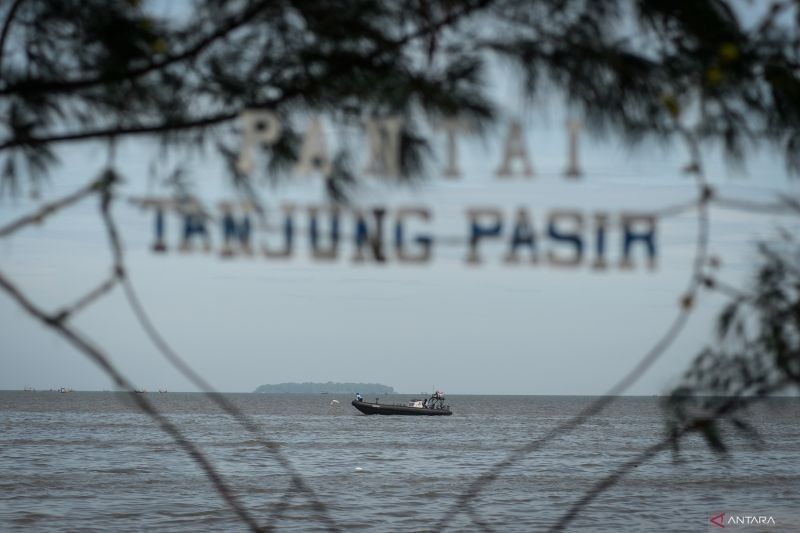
359	398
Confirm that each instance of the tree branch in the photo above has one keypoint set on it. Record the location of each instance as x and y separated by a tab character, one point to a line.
484	480
6	28
60	86
94	353
659	348
119	131
228	407
176	361
88	298
51	208
612	479
210	120
737	204
733	404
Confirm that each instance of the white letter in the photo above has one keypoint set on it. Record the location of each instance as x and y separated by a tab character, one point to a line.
260	127
514	148
451	126
573	168
384	147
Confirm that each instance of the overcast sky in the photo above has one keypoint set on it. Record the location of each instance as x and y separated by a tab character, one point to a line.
492	329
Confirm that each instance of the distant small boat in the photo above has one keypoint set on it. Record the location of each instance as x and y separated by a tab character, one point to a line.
139	391
433	406
64	390
162	390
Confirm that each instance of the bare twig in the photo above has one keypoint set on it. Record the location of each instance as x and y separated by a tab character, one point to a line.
714	284
611	480
704	195
773	208
89	298
95	354
484	480
6	27
677	209
224	116
226	405
104	185
108	179
50	86
119	131
51	208
184	368
733	404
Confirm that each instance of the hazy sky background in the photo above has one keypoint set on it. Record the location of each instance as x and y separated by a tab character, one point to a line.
493	329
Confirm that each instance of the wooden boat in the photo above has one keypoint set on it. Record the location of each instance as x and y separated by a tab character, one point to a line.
433	406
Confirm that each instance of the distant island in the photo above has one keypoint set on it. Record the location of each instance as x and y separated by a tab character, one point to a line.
329	388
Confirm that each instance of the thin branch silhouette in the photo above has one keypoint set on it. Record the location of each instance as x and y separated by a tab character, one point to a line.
6	28
40	85
733	404
121	131
58	322
97	356
226	405
186	370
530	47
51	208
738	204
103	186
226	115
484	480
612	479
89	298
713	283
704	195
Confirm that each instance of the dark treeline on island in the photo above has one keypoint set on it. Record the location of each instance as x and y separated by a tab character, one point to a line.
329	387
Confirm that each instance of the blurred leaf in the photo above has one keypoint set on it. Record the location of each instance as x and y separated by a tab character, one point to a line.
726	318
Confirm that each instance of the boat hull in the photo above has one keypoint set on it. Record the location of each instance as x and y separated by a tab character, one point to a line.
369	408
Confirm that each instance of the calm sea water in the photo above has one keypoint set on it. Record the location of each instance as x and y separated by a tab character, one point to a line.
90	461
